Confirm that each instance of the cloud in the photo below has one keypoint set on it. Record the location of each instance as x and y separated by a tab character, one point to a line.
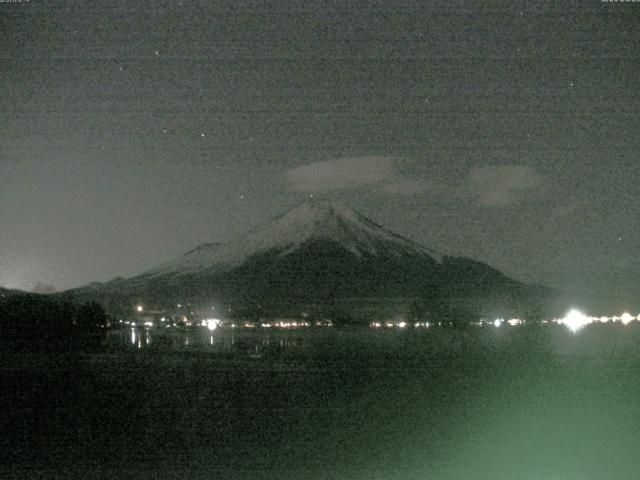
568	209
406	186
355	172
346	172
499	185
490	186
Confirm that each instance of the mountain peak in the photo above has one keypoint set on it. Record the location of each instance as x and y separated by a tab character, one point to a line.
312	220
319	204
313	212
318	207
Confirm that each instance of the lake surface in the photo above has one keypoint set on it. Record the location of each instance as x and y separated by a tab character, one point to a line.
510	403
250	341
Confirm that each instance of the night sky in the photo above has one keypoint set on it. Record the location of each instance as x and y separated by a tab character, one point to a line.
505	131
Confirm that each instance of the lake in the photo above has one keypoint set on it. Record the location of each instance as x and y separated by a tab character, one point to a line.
485	403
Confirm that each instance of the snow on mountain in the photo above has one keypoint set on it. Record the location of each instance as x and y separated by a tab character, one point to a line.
320	255
311	220
191	261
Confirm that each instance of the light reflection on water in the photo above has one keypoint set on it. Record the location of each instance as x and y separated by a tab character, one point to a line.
251	342
136	337
591	340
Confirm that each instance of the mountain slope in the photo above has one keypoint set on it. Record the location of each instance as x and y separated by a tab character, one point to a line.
320	255
311	220
6	293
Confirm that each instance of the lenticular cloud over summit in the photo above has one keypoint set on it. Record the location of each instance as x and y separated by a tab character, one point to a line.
339	173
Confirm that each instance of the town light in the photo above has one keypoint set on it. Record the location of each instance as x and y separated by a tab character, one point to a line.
212	324
626	318
139	308
575	320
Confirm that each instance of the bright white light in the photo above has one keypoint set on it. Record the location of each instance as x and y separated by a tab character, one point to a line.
139	308
626	318
575	320
497	322
402	324
212	324
148	324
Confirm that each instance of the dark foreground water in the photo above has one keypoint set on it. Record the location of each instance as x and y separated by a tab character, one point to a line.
509	403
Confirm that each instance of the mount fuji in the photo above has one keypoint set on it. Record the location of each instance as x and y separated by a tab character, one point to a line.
321	257
312	221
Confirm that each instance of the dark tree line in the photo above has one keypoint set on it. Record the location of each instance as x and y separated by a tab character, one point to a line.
34	322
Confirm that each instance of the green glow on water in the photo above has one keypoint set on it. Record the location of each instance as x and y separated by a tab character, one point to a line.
512	404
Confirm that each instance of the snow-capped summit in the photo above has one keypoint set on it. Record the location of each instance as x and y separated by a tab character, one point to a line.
328	220
313	219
